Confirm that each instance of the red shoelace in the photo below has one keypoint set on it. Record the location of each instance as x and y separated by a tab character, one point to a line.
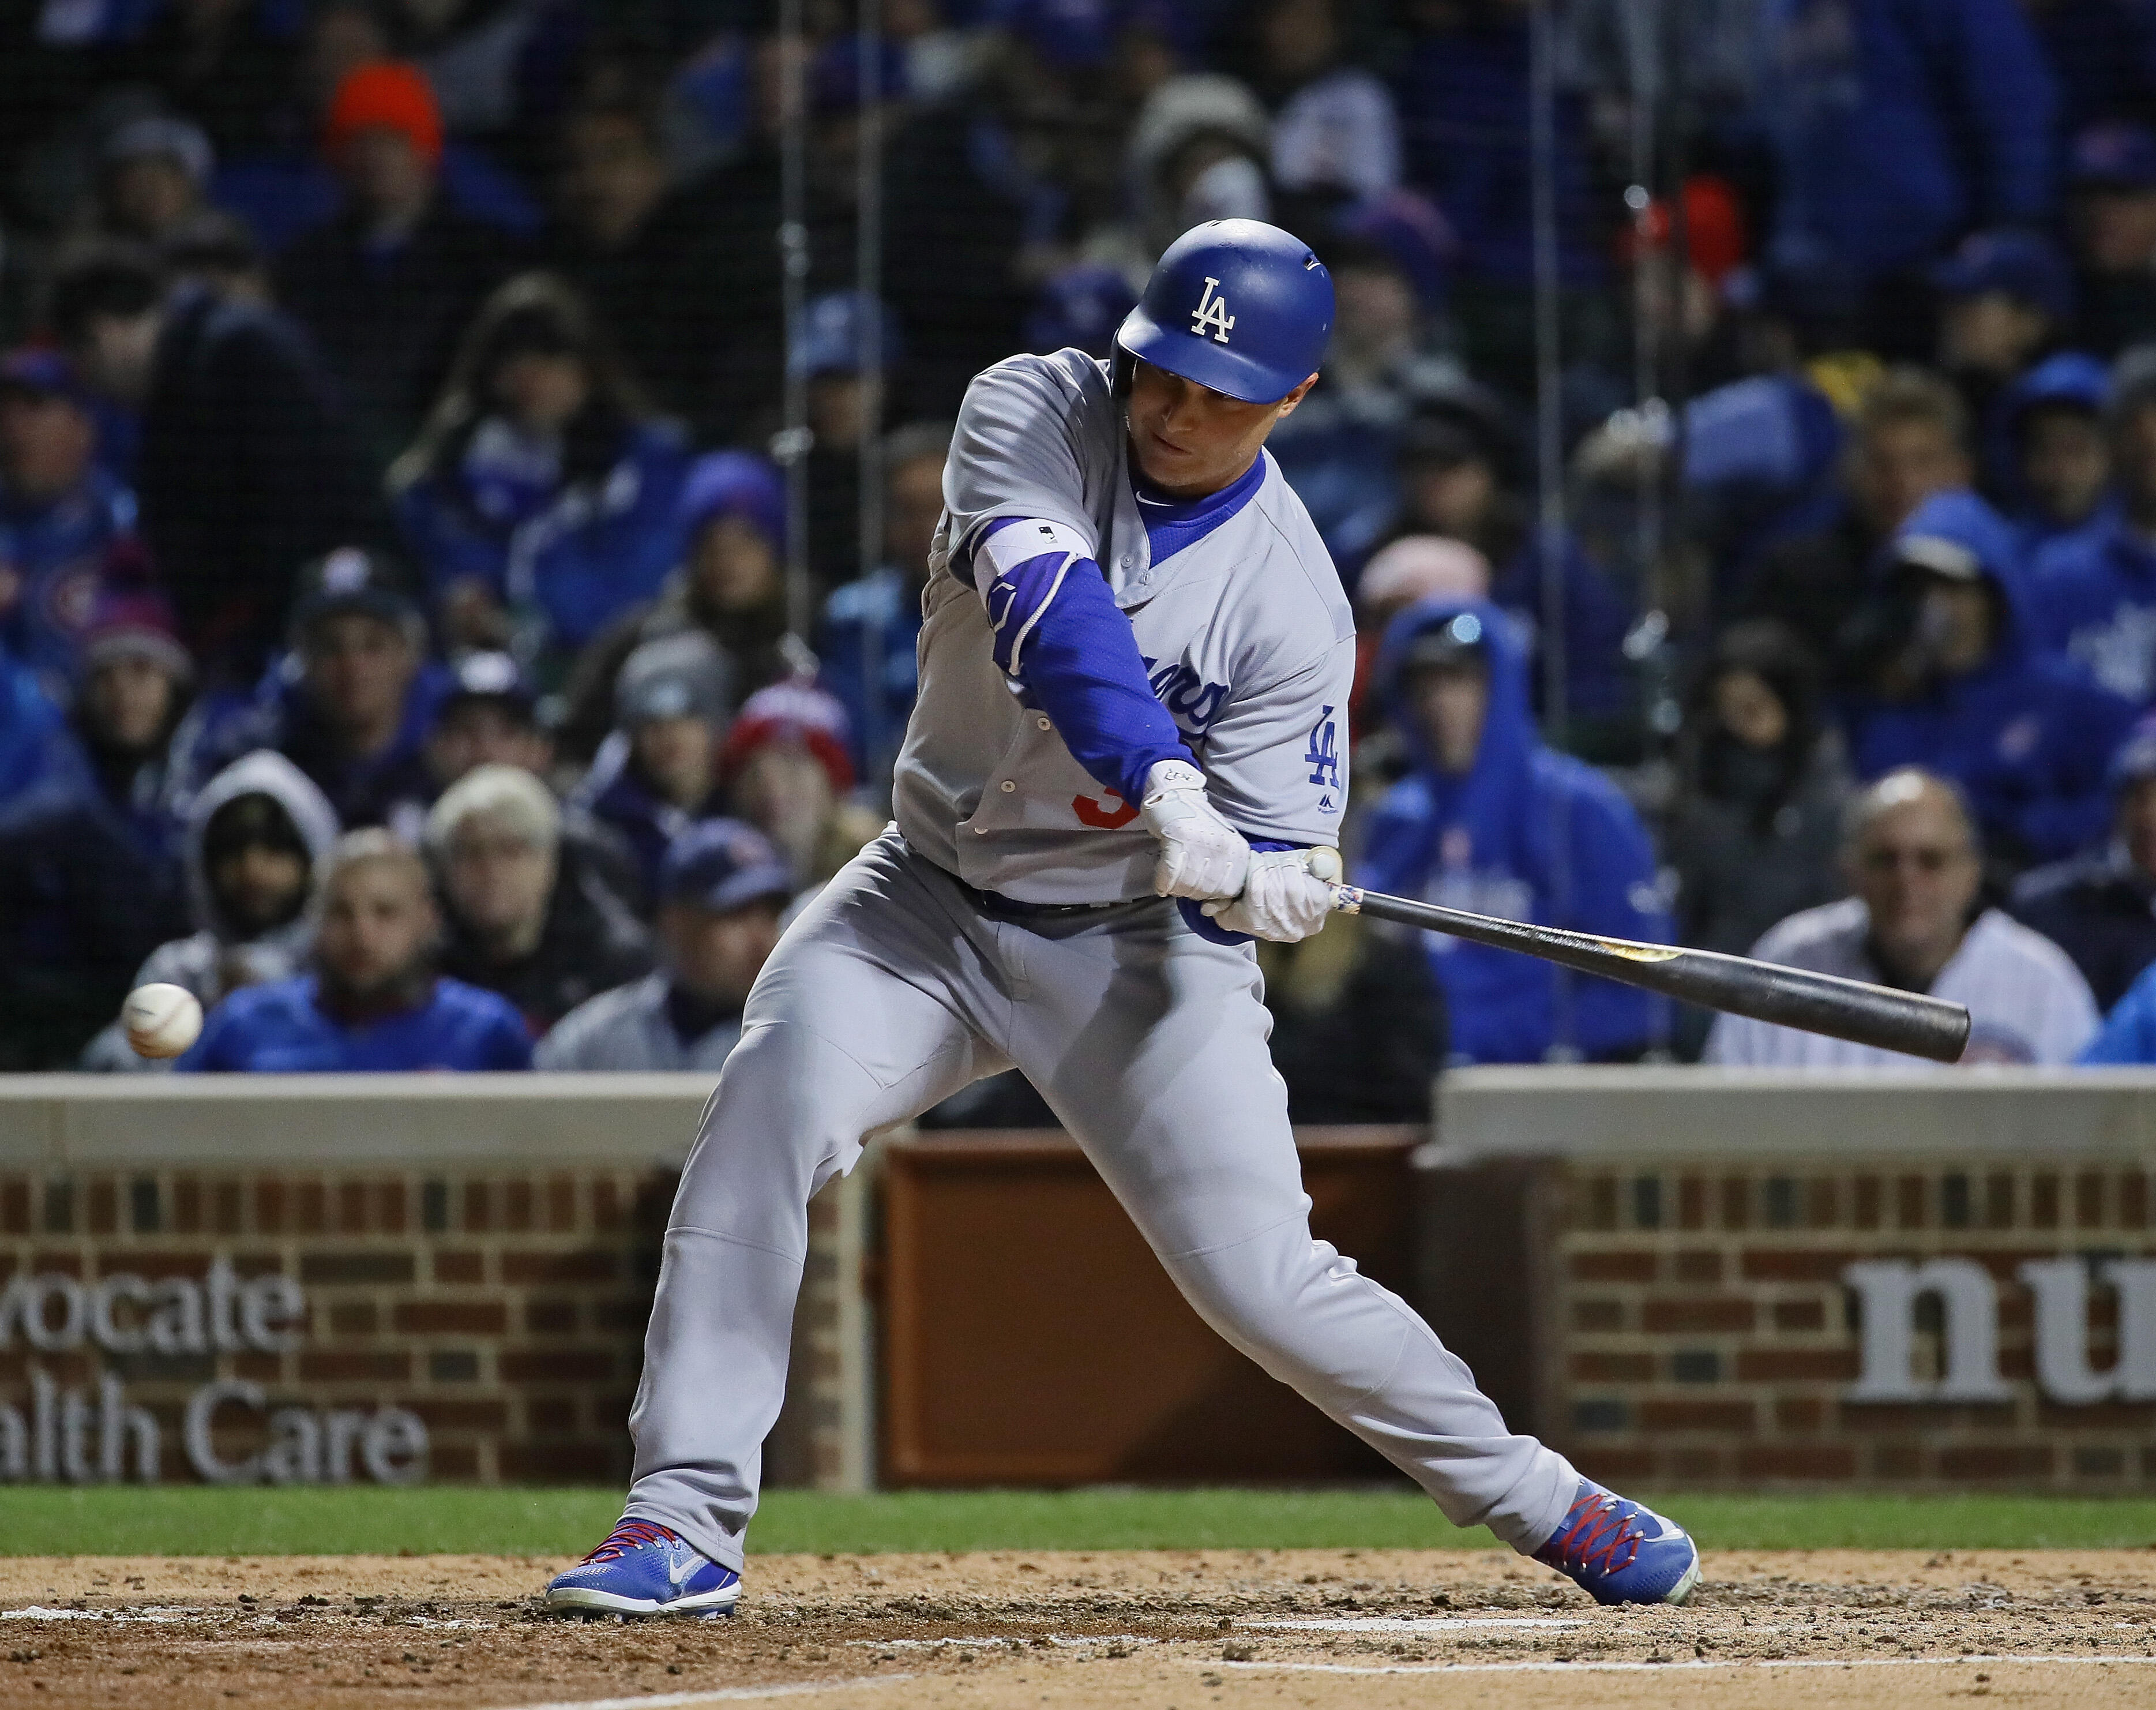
629	1535
1596	1530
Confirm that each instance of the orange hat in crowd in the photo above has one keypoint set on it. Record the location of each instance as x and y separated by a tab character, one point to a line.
1714	229
388	93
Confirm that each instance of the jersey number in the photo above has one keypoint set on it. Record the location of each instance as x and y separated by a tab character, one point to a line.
1111	813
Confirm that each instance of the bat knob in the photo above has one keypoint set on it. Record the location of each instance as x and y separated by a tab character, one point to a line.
1326	864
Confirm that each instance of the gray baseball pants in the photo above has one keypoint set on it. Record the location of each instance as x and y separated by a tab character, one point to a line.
892	991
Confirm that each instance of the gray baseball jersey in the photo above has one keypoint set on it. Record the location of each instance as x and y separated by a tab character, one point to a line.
1248	639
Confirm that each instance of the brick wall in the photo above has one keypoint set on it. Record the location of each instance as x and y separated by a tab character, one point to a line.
1697	1328
505	1309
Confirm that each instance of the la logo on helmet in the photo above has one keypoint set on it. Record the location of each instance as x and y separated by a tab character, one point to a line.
1212	311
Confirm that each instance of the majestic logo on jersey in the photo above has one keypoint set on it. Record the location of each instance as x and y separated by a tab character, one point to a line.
1193	702
1110	812
1212	313
1323	756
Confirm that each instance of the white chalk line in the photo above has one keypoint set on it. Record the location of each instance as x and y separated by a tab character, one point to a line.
37	1612
722	1695
1002	1641
1692	1664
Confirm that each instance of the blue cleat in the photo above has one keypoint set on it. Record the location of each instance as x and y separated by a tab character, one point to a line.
643	1569
1618	1552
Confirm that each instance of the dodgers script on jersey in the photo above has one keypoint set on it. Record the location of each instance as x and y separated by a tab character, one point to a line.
1249	642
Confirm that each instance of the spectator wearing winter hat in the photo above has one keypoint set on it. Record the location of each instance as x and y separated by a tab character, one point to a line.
257	839
63	516
526	919
787	773
352	705
2099	905
658	772
2094	591
1414	567
388	284
247	467
89	869
731	585
2055	452
2113	175
723	891
866	642
154	177
542	497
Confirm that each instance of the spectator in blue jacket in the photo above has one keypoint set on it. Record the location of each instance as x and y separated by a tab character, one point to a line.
1896	126
350	705
2005	298
658	773
541	498
2094	592
1955	685
2127	1036
2099	904
61	514
2113	174
1489	819
90	860
33	741
866	645
2057	473
374	1003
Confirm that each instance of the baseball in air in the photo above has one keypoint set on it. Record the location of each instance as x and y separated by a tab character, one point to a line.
161	1020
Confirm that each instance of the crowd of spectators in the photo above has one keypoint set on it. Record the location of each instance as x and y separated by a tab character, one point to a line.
397	644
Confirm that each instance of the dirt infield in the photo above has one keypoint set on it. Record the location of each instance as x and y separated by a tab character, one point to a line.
1324	1628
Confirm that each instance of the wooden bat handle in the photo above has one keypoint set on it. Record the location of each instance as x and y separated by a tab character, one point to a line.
1763	991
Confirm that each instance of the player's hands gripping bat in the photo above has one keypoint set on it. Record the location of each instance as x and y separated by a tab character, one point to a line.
1201	855
1282	900
1788	996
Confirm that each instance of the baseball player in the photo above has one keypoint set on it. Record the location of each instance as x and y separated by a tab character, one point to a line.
1128	744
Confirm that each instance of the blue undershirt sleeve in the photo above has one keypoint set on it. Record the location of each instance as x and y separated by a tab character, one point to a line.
1060	638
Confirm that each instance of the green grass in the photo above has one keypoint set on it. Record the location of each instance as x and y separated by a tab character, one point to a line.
192	1521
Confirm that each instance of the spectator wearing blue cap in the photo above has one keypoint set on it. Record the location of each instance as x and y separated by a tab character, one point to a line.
154	177
723	890
848	344
2004	297
2095	590
2056	452
351	704
62	514
1953	682
658	773
374	1003
2099	906
731	585
540	499
2113	177
866	645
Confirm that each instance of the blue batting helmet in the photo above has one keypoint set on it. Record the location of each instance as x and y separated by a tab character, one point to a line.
1235	305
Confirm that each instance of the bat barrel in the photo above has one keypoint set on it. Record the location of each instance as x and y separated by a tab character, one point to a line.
1788	996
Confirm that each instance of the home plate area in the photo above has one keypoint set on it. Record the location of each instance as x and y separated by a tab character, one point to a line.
1187	1628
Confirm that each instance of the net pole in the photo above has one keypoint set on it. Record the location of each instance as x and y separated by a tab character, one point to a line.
791	447
868	280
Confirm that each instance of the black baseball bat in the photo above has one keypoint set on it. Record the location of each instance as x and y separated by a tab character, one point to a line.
1789	997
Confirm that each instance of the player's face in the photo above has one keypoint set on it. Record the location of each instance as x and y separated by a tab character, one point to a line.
717	956
378	925
1189	440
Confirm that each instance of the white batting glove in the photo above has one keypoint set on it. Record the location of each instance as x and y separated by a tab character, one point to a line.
1282	900
1201	855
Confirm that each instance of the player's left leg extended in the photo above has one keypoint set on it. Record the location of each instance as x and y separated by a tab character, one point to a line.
1150	1044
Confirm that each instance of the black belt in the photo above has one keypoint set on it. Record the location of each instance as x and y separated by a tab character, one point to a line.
995	903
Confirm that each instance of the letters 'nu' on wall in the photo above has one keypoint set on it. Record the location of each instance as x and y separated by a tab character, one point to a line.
1923	1322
